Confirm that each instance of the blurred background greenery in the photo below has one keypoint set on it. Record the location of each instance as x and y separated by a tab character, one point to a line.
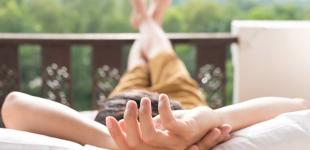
111	16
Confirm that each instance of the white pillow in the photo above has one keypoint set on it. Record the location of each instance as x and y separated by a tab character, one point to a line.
20	140
290	131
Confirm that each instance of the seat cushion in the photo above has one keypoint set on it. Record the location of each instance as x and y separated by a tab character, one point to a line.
271	59
290	131
20	140
286	132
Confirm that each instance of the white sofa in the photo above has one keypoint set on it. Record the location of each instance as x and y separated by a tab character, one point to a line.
19	140
290	131
272	58
256	64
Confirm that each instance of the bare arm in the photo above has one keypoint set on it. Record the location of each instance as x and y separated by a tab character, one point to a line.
257	110
186	127
33	114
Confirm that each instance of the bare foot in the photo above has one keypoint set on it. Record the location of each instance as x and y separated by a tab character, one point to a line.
156	10
160	7
154	41
136	56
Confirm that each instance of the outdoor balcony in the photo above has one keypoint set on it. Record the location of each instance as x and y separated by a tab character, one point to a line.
107	61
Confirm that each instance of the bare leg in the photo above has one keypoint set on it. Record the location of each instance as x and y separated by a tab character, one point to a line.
140	78
156	11
153	39
28	113
136	57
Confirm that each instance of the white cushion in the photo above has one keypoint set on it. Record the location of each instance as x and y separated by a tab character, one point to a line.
20	140
271	59
290	131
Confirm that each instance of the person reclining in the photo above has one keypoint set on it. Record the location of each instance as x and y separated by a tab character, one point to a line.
152	69
181	129
159	71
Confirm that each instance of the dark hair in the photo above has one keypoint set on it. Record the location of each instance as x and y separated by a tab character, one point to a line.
115	106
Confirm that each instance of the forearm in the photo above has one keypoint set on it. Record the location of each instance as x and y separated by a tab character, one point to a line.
24	112
257	110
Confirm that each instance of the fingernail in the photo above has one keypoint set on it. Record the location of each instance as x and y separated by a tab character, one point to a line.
144	101
143	104
162	97
128	104
108	122
127	110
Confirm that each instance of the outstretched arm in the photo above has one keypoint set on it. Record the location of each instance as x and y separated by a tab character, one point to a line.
33	114
186	127
257	110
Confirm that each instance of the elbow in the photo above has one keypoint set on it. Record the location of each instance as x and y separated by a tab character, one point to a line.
9	107
305	104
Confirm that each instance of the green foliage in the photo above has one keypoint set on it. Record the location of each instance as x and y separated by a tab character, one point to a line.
80	16
102	16
81	76
29	59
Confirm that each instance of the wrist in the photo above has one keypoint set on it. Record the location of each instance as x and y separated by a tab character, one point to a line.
220	118
305	104
220	114
213	117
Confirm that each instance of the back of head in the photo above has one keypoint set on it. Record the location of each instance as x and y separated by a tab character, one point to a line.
115	106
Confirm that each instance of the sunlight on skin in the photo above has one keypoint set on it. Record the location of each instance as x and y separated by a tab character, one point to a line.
180	129
146	136
154	40
156	10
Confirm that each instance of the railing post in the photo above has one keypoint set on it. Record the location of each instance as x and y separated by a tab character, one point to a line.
105	56
107	50
212	58
9	71
211	54
56	72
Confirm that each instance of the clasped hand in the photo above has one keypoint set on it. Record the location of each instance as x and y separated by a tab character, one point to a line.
198	128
